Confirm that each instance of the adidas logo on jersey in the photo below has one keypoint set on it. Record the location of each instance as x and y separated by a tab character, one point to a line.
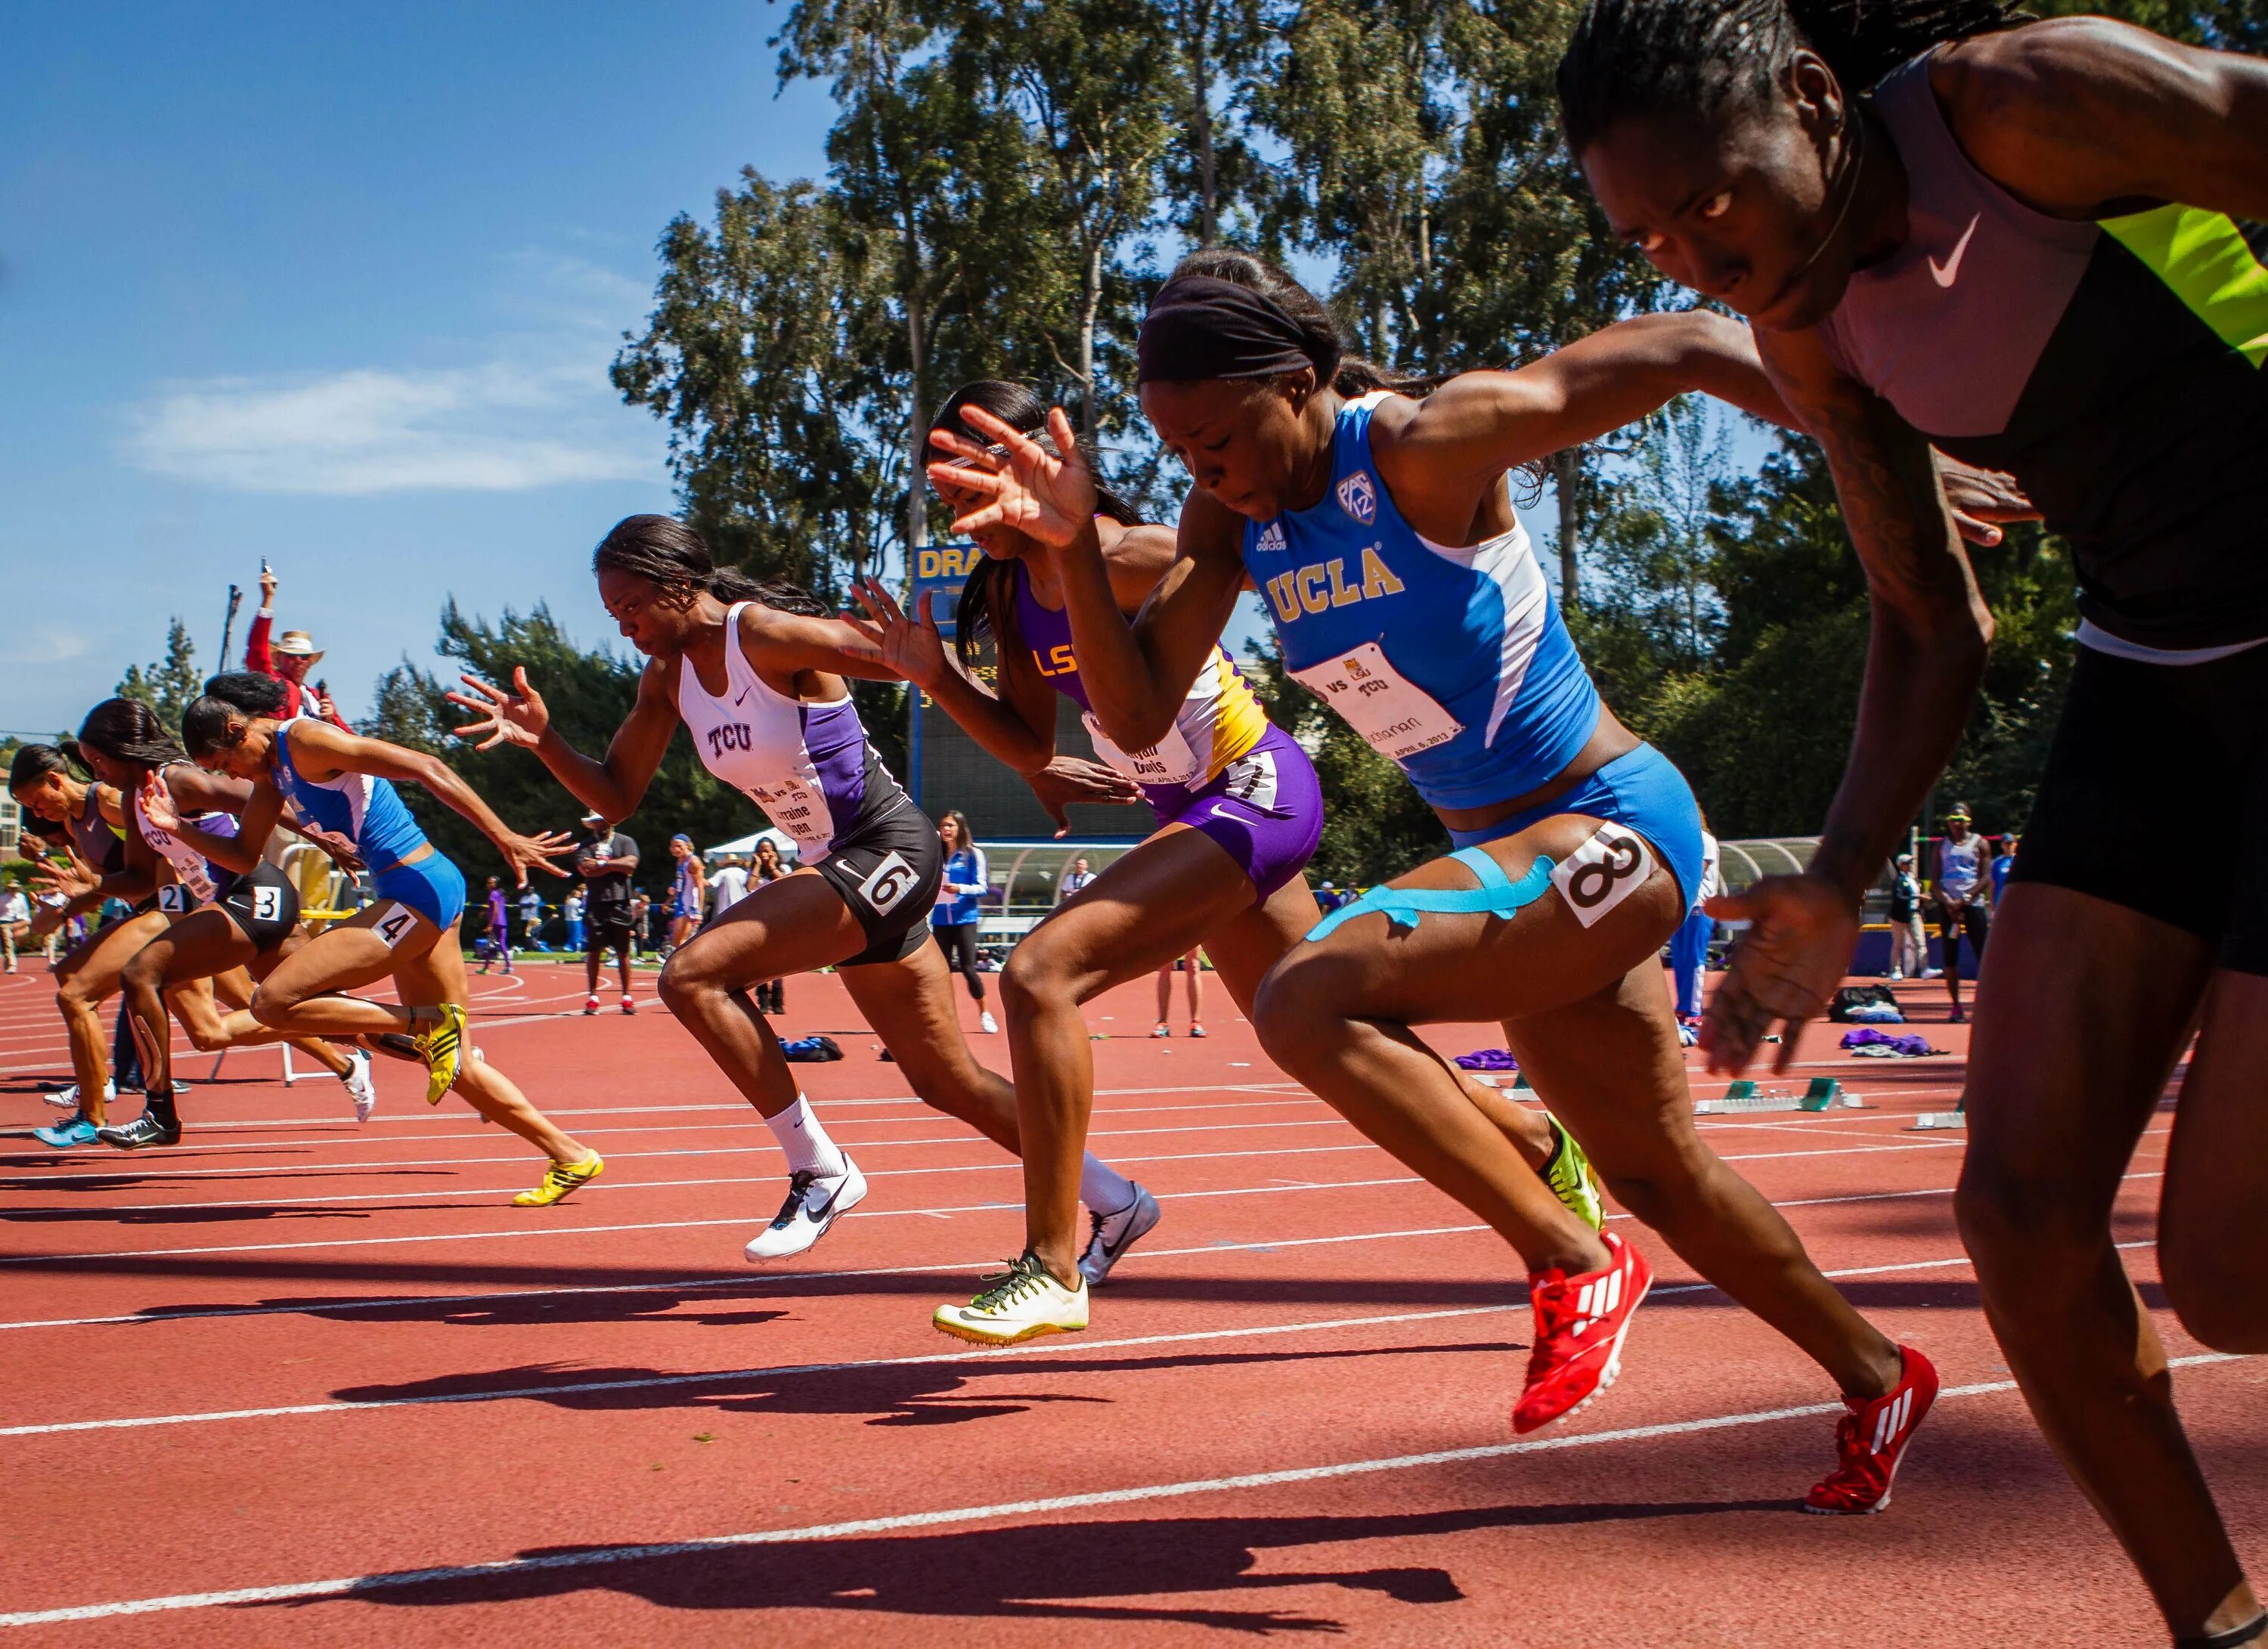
1359	497
1272	538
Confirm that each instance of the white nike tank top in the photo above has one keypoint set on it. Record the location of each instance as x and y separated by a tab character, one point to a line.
189	867
754	739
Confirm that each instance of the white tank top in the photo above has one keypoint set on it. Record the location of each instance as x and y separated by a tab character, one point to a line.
762	743
189	866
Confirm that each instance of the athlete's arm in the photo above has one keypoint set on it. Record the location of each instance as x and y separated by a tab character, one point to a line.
257	808
322	751
612	787
1929	632
2084	117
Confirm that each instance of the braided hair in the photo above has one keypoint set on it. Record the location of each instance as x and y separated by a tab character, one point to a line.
987	607
664	551
1708	59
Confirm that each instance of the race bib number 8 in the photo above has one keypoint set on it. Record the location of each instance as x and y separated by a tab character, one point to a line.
394	922
1605	871
890	882
1394	716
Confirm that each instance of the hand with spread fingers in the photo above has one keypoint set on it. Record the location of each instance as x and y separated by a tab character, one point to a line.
1786	967
526	853
515	715
911	646
1047	495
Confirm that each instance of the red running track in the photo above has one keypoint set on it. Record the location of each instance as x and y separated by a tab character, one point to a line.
296	1382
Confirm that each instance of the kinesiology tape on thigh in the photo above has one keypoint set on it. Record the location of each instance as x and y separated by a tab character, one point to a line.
1498	896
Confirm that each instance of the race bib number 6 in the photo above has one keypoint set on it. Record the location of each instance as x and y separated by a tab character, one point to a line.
394	922
1605	871
889	881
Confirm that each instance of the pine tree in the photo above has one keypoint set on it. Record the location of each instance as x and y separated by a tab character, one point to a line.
171	686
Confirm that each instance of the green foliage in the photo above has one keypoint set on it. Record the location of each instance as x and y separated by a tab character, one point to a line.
170	686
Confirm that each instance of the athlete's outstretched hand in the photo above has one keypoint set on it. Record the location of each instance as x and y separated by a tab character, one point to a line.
1802	932
1067	779
1982	500
911	647
524	854
516	715
1047	495
158	803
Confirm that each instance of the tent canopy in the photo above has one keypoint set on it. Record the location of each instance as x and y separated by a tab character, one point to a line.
745	847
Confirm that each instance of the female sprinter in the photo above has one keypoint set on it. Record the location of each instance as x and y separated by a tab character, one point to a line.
123	744
2038	245
408	932
1238	811
1403	591
688	891
756	673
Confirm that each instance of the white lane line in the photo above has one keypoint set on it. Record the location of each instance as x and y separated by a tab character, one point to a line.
761	1142
654	1225
600	1557
974	1358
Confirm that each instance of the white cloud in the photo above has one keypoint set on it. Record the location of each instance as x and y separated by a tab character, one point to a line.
44	643
536	412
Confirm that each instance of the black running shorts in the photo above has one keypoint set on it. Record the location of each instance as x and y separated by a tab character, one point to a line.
2156	797
888	875
264	905
602	934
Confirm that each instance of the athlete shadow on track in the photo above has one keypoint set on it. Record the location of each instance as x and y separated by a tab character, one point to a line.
1085	1572
189	1216
927	1393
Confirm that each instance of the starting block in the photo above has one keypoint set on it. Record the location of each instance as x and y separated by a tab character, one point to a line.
1744	1098
1520	1084
1940	1119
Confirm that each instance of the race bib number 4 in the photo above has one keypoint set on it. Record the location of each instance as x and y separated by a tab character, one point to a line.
887	883
394	922
1394	716
1605	871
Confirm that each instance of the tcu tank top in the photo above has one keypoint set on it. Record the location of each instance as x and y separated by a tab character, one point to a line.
808	766
205	880
1217	722
2117	369
1453	663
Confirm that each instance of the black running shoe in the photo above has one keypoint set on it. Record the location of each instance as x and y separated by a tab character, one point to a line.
144	1129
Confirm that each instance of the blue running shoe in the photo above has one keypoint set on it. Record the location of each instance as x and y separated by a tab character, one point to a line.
77	1131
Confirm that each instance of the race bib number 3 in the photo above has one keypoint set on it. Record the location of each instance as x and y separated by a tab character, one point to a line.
1605	871
394	922
267	904
1394	716
887	883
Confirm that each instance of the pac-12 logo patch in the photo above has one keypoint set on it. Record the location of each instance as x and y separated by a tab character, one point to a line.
1271	537
1359	497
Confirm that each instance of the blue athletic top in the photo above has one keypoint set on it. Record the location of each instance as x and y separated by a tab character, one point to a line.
368	812
1453	663
964	869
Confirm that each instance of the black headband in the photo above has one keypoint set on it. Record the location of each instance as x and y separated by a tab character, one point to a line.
1201	327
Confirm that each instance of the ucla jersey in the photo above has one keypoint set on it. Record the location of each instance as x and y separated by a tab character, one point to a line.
368	812
1453	663
1217	723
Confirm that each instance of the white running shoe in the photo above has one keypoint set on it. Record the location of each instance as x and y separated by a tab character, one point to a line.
986	1023
812	1204
1018	1304
1114	1233
67	1098
360	1088
1163	1029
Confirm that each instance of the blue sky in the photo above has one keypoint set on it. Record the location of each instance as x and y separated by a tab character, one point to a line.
338	286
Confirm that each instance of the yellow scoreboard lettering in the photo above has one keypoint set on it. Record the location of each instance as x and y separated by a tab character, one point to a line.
935	561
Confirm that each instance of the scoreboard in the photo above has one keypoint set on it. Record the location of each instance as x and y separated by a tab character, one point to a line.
951	770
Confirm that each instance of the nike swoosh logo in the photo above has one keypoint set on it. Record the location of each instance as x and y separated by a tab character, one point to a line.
1949	271
744	692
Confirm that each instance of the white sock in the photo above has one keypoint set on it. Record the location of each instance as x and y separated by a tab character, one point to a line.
801	1136
1102	1188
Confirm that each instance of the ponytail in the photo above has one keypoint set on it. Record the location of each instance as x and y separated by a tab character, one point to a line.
665	552
1708	59
128	730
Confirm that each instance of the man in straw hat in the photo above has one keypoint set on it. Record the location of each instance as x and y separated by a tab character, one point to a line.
287	659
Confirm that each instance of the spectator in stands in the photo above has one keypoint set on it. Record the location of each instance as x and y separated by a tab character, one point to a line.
607	863
531	919
1688	946
15	921
1074	879
1909	948
571	911
772	994
728	885
287	659
2002	864
959	903
1963	860
1196	994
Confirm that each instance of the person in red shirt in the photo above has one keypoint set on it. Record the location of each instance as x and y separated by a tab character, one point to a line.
288	659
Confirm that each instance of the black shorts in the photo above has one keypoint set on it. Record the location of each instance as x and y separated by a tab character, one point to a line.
264	905
2156	797
604	934
888	875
